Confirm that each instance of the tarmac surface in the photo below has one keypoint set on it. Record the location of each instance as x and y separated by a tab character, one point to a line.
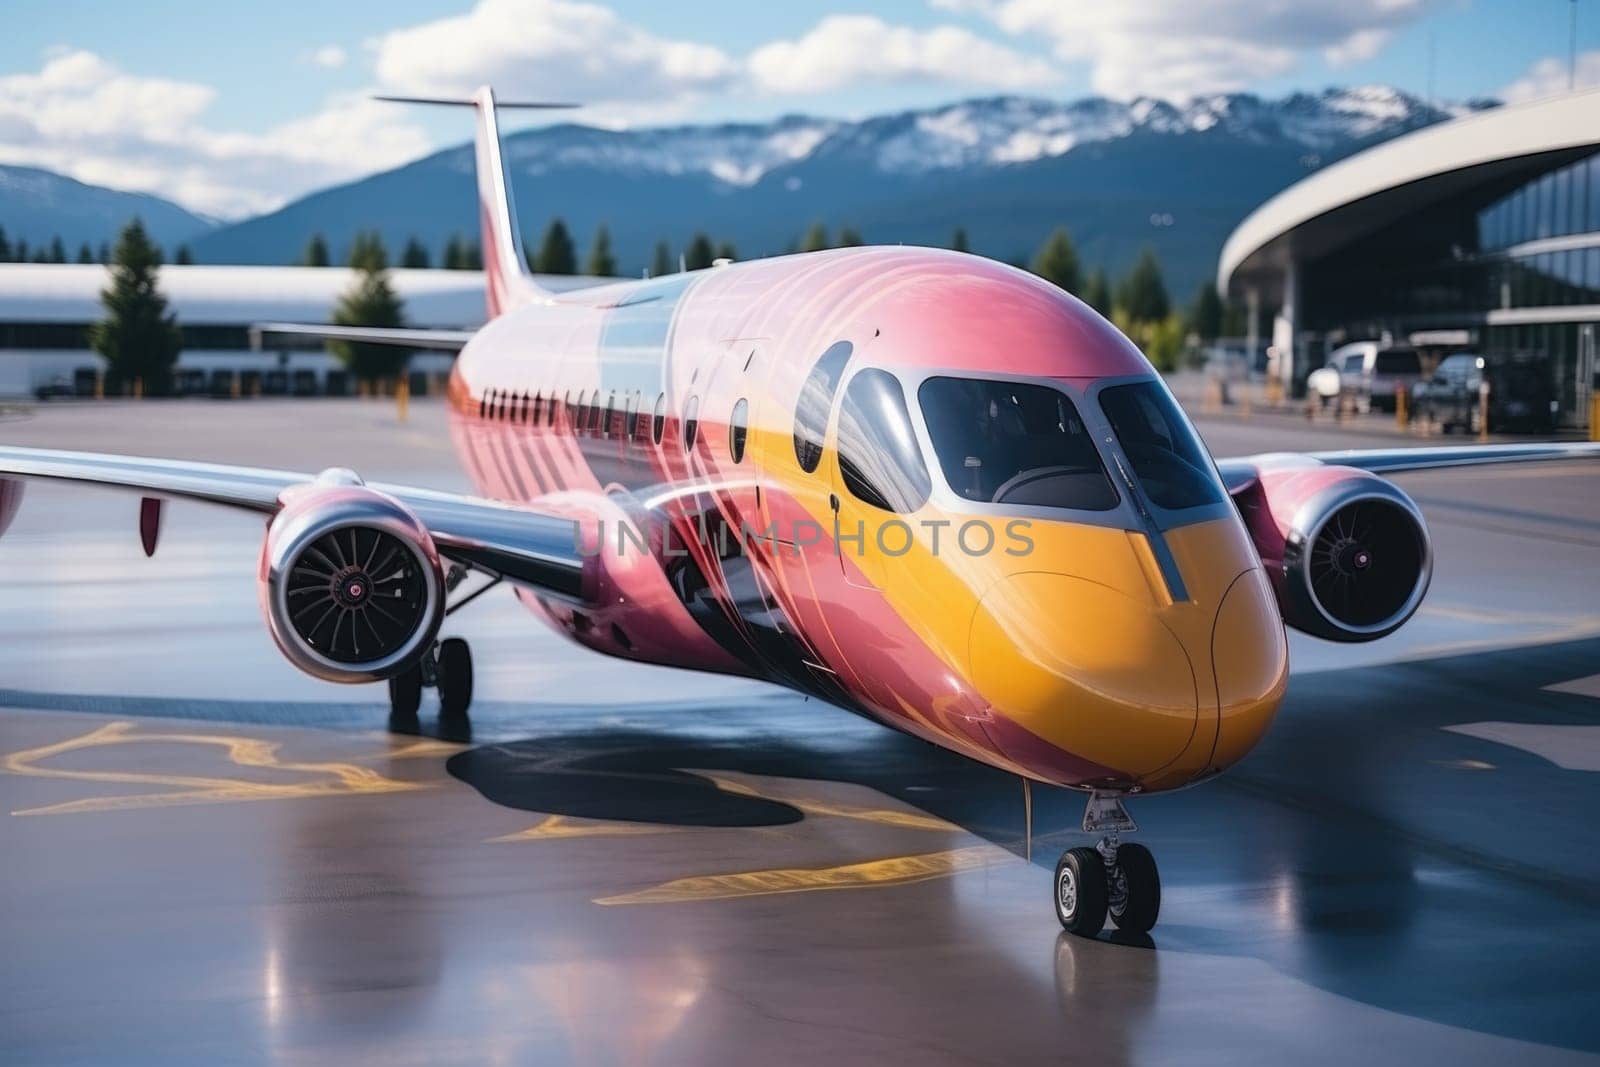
208	857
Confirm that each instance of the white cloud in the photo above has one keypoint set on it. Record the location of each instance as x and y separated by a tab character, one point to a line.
330	56
552	50
1550	76
82	116
846	50
1185	48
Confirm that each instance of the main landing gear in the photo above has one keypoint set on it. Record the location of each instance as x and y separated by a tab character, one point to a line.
1111	879
447	667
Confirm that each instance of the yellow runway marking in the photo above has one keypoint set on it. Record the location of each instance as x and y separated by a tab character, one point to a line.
332	778
560	826
895	870
907	820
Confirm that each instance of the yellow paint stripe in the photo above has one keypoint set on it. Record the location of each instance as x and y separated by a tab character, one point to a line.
907	820
333	778
895	870
558	827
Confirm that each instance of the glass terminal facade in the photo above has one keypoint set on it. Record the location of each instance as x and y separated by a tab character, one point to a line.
1517	268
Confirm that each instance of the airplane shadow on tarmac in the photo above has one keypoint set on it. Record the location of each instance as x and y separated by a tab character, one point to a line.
1363	848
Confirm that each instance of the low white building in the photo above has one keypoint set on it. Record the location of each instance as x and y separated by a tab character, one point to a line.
46	310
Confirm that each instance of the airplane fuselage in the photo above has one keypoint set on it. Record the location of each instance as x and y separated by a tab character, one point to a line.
774	465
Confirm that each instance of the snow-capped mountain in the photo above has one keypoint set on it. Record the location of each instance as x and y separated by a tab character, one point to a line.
1118	173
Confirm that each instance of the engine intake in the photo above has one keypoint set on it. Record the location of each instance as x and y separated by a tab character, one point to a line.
1356	560
351	584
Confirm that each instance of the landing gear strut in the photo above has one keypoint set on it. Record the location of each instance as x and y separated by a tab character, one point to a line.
1111	879
447	667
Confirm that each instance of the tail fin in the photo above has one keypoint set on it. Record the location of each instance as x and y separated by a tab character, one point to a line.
506	273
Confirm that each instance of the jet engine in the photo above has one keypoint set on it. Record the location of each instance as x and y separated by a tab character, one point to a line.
1348	551
351	583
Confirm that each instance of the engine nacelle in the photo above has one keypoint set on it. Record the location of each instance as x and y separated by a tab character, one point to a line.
1348	551
351	584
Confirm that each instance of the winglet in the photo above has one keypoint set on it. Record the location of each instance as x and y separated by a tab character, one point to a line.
508	280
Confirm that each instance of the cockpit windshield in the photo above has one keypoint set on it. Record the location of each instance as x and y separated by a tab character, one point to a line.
1014	443
1168	460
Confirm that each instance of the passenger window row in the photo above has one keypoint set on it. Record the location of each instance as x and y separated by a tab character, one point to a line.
597	414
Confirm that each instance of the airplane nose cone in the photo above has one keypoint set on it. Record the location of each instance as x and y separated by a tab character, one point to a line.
1250	654
1090	671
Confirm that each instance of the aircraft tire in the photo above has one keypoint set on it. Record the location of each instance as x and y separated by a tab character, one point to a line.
1080	892
405	698
1140	905
455	678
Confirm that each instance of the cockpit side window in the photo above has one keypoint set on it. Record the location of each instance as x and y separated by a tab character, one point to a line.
815	401
1014	443
878	455
1169	462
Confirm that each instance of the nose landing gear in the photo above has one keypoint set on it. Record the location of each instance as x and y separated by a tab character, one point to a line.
1109	880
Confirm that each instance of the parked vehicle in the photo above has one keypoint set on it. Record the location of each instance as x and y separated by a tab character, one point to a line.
1520	394
55	387
1373	373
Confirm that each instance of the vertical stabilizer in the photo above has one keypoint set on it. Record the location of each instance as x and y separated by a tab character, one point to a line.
508	282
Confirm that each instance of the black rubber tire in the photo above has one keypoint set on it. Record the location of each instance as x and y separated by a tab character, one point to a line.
1141	899
455	678
405	693
1080	892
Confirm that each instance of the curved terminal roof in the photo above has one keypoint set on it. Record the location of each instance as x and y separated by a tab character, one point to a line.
1366	191
237	296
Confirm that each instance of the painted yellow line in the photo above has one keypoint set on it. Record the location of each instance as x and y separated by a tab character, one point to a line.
332	779
560	826
908	820
893	871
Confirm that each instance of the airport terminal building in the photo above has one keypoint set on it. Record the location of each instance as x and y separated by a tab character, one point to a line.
1481	234
46	310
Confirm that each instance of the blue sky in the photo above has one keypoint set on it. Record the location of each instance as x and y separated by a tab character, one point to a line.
231	108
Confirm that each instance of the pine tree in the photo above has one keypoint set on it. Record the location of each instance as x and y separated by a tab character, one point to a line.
1097	292
85	253
958	240
661	262
1057	261
452	253
725	250
138	338
370	301
601	263
1143	295
22	251
699	254
471	256
5	247
103	255
1205	314
58	250
816	238
183	257
316	253
415	255
850	237
557	254
42	256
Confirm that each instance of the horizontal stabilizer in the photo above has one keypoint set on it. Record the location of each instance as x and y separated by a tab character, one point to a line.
467	101
426	340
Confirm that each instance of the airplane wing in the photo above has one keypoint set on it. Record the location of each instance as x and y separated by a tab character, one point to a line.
427	340
1240	471
522	545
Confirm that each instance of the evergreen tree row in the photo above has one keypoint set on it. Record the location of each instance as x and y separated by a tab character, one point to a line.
20	251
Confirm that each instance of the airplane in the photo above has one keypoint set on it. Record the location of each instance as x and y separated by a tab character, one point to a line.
917	484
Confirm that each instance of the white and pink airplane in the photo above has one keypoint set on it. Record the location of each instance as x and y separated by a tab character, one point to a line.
917	484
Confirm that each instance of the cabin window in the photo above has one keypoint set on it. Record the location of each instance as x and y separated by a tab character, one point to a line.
580	413
538	405
691	422
630	417
878	454
815	401
738	429
658	421
1014	443
611	414
483	404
